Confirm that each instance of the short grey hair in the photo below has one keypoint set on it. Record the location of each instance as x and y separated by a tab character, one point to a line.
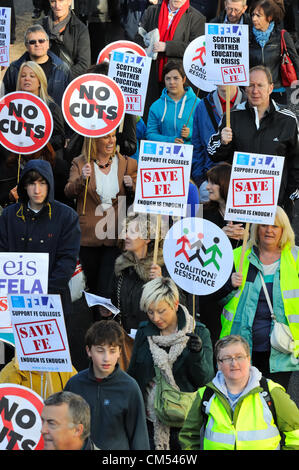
78	408
159	290
244	2
227	341
35	28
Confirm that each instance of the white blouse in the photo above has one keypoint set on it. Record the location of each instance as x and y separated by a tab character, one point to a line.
107	186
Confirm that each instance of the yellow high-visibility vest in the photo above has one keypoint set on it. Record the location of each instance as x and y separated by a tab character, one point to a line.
289	285
252	426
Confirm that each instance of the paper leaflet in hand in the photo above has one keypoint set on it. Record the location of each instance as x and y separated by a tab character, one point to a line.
149	40
93	299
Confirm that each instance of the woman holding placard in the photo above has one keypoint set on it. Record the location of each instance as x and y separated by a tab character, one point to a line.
134	267
110	179
218	183
265	43
32	79
170	118
263	305
168	343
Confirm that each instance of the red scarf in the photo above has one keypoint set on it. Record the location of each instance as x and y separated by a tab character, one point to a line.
167	34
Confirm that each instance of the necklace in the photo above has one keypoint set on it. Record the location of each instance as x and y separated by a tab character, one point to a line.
106	164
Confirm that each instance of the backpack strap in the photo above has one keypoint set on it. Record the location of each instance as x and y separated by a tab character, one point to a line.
211	113
267	397
207	394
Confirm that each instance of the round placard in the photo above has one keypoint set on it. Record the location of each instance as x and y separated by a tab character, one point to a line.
198	255
26	122
93	105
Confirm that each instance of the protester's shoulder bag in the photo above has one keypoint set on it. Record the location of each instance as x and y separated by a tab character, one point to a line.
281	337
287	69
171	405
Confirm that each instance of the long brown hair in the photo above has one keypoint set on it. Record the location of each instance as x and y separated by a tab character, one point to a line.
219	174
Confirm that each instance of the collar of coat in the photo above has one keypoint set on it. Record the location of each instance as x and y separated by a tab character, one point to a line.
141	266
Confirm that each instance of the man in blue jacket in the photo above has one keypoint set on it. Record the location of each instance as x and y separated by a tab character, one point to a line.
39	224
57	72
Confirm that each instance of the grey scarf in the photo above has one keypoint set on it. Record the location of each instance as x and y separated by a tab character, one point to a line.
55	30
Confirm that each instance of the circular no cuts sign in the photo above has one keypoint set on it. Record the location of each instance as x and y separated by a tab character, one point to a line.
20	421
26	122
93	105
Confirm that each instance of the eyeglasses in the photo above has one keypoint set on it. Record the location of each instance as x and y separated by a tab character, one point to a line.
34	41
233	10
230	359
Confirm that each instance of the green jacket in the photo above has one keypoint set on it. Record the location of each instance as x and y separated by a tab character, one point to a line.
240	308
287	417
190	370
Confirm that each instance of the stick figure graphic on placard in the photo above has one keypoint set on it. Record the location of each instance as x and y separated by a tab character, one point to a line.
200	246
214	250
184	241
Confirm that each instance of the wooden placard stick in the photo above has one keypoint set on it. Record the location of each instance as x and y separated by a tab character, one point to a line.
193	305
245	239
227	96
195	99
157	239
120	131
50	382
87	179
19	168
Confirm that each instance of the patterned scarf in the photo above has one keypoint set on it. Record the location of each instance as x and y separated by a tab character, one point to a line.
262	37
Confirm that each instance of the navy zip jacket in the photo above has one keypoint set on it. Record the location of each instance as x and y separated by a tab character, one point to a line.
117	410
54	229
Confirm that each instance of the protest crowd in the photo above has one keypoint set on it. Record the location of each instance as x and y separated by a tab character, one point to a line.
166	354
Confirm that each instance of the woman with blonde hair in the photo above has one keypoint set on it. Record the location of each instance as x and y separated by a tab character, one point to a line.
172	344
110	180
267	290
32	79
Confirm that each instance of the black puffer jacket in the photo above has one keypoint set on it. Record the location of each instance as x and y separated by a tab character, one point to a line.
277	135
269	55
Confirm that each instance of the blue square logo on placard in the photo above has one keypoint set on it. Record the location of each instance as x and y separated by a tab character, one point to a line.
118	56
243	159
17	301
150	148
213	29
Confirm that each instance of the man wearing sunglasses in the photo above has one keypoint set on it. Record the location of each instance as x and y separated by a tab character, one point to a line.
57	72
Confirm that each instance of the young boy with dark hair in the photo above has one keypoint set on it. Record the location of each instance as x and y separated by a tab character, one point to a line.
118	419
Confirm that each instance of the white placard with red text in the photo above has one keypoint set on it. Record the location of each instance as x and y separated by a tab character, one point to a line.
131	73
40	333
5	18
227	54
26	122
254	188
20	420
93	105
163	178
